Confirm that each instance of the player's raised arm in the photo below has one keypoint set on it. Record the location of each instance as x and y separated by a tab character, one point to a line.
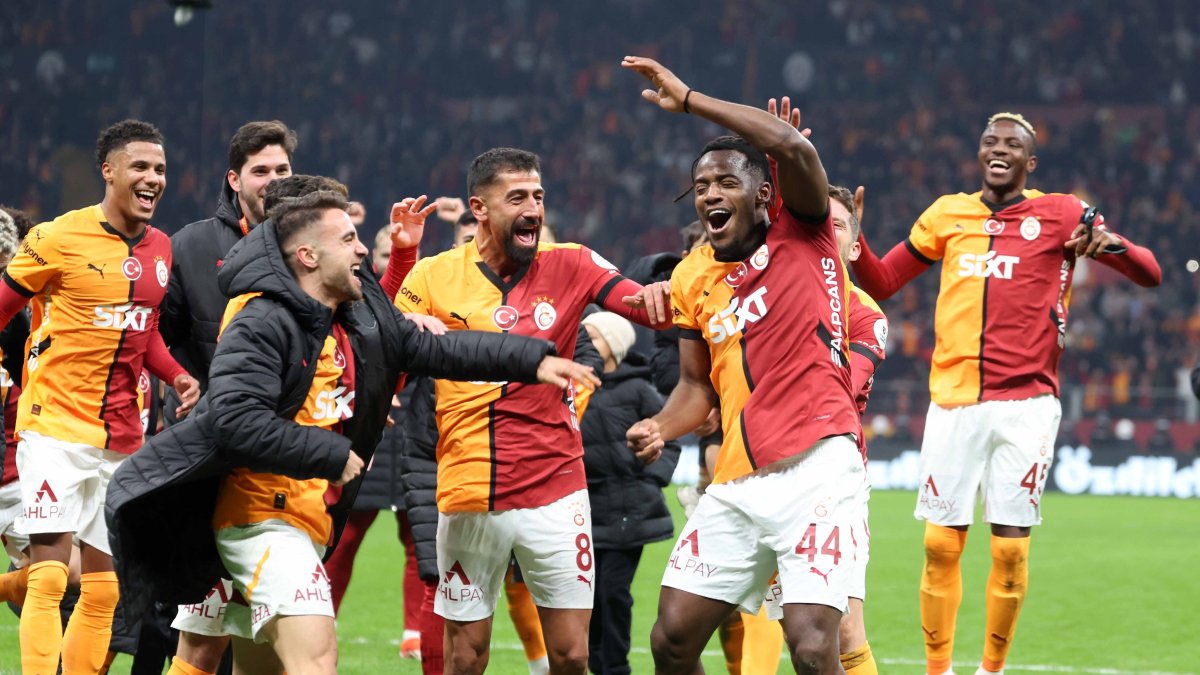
803	185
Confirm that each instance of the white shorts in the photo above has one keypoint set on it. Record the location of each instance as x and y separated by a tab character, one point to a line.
998	452
773	603
552	545
801	518
206	617
11	509
63	486
277	569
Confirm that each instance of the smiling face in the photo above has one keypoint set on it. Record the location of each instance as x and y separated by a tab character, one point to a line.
844	231
511	211
1005	159
250	182
135	177
339	254
731	201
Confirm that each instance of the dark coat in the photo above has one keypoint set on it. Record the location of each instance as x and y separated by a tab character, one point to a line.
191	311
628	507
161	500
381	487
418	459
664	352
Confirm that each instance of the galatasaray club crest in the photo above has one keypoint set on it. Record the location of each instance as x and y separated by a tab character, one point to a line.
1030	228
505	317
544	313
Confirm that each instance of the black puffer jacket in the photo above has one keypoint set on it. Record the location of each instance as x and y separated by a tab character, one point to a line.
418	459
381	487
192	309
628	508
160	501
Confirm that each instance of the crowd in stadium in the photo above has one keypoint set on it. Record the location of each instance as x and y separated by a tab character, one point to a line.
548	493
1108	86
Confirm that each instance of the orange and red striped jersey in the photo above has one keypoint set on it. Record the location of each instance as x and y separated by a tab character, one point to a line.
1001	316
868	340
507	445
776	329
247	497
95	296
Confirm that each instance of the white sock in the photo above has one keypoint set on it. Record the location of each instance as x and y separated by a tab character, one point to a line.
540	666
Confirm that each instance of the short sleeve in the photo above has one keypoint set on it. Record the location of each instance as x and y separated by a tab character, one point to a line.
682	307
414	292
597	274
926	240
38	261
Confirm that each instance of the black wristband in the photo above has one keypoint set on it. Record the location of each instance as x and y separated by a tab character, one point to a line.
685	100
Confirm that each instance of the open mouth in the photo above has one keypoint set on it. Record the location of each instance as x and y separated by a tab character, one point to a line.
355	270
998	167
145	198
717	219
526	237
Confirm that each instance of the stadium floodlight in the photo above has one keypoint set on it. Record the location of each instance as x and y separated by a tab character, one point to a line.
186	9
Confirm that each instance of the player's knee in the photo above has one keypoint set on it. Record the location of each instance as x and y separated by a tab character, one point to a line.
1010	550
813	654
668	647
942	545
466	659
568	659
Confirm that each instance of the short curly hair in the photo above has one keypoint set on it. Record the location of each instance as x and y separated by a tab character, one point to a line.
123	133
23	221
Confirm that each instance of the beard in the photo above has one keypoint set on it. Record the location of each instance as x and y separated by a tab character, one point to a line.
517	253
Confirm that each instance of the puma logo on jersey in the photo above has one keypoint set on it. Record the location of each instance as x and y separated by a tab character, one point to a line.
99	269
122	317
990	264
334	404
734	318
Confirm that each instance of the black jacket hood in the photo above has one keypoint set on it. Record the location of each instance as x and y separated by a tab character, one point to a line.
256	265
229	209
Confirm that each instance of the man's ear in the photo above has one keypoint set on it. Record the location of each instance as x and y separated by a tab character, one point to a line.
765	196
106	171
234	180
307	256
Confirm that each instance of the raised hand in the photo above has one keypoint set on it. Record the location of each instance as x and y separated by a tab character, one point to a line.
787	113
669	92
449	209
859	194
656	299
407	224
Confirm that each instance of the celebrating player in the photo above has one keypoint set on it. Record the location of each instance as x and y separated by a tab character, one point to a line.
96	277
259	153
510	462
762	313
1009	255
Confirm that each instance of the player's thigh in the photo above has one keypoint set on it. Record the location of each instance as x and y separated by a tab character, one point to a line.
251	658
718	556
304	643
473	552
202	651
954	454
553	548
15	543
278	571
813	513
1020	463
93	528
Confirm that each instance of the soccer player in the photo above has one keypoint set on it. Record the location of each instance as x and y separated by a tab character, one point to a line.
762	318
868	330
510	461
301	382
1001	322
259	152
96	277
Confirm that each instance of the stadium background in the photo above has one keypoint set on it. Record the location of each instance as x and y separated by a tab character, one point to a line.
394	99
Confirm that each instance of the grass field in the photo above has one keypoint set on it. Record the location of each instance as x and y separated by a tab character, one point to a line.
1114	584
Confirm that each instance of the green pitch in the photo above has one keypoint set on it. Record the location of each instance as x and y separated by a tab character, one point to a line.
1113	587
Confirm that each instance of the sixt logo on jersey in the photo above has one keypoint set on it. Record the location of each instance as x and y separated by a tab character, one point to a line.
990	264
733	319
122	317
